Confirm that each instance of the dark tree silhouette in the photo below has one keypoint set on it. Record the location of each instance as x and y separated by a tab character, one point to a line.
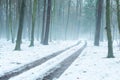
98	21
33	22
43	23
21	20
108	29
118	14
45	42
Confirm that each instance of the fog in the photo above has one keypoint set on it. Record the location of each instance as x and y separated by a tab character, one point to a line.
69	19
59	39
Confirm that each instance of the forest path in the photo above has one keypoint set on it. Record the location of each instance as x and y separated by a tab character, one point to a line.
64	65
57	63
33	64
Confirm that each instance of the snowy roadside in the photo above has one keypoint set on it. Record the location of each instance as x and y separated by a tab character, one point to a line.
42	70
10	59
92	64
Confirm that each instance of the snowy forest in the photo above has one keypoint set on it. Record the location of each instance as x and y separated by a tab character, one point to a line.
59	39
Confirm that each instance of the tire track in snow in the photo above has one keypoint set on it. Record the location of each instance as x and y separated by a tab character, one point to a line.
31	65
63	65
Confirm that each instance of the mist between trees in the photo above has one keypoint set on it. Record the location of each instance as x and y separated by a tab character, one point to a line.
48	20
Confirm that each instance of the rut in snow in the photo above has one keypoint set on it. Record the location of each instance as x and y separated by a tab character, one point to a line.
31	65
64	65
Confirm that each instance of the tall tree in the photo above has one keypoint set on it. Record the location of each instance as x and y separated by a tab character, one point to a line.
39	18
10	21
98	21
78	17
7	17
108	29
43	23
21	21
29	18
48	18
68	16
118	14
33	22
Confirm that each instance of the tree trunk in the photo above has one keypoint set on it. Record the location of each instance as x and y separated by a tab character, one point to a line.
30	20
78	17
39	19
47	23
118	17
98	22
118	14
7	17
21	21
43	23
69	4
108	29
33	22
102	26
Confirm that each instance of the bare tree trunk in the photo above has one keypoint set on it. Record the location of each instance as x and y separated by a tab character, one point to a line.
118	17
7	17
30	20
33	22
21	21
10	21
45	42
69	4
39	19
108	29
78	17
43	23
118	14
98	22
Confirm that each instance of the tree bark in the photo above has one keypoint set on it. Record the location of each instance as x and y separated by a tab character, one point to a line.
21	21
98	22
47	23
69	4
39	19
118	14
7	21
108	29
10	21
43	23
33	22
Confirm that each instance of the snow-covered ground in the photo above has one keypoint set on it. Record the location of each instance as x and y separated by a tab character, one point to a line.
10	59
92	64
43	69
